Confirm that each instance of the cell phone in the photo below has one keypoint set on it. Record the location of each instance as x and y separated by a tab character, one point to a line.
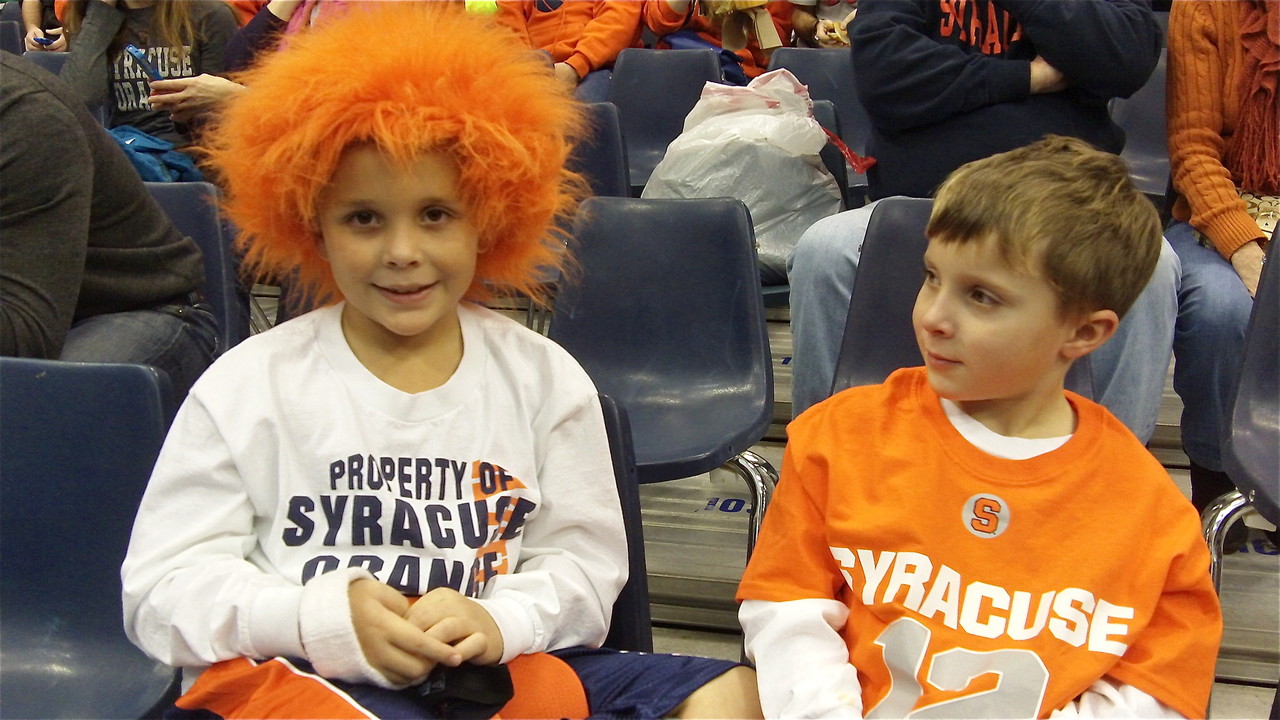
141	57
43	41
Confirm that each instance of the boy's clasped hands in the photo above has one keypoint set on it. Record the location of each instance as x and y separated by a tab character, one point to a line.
406	640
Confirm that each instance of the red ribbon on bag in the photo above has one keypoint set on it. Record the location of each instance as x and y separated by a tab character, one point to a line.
859	163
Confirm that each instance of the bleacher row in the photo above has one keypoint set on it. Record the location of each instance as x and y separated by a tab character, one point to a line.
680	398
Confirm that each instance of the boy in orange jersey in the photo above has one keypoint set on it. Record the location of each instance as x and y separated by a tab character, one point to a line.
583	38
969	539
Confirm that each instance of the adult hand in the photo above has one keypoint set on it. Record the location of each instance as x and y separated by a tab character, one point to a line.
451	617
391	644
188	98
1247	260
1046	78
566	75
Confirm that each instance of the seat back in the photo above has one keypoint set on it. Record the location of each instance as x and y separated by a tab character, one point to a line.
878	334
77	444
654	90
829	75
11	37
1251	455
665	314
632	626
51	61
824	111
1141	116
601	156
193	209
878	337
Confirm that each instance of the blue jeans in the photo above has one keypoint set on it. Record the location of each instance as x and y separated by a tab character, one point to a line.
594	86
1128	373
180	340
1213	314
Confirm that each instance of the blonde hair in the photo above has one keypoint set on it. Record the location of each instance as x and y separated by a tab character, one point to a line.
455	84
1063	209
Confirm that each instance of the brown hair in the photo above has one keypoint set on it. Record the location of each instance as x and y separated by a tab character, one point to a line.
453	83
1063	209
171	26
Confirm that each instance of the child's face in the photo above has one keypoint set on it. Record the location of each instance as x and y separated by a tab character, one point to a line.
400	245
988	331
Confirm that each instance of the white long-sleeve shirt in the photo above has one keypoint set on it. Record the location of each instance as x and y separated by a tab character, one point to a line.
291	470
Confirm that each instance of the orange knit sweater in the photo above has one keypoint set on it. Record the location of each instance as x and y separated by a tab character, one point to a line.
1203	102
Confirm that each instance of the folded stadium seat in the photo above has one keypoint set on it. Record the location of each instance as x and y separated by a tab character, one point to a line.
51	61
654	90
1141	116
1251	455
11	37
193	209
601	157
632	626
77	442
667	318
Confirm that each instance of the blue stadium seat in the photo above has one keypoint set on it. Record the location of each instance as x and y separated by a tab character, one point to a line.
878	335
1251	455
1146	149
827	115
602	155
193	209
632	626
77	442
51	61
654	90
666	317
11	37
828	73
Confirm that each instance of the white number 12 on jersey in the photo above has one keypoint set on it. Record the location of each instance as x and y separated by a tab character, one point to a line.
1017	694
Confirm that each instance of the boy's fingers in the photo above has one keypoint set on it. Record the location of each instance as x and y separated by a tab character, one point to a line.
425	646
449	630
472	646
400	667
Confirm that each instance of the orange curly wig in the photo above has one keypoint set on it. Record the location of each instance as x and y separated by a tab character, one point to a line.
409	77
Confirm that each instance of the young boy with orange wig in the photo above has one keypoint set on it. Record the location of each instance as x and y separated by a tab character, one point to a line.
400	442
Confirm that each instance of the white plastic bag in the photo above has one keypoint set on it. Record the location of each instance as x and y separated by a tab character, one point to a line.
758	144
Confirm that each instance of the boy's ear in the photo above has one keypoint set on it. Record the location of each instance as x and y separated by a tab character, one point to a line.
1091	331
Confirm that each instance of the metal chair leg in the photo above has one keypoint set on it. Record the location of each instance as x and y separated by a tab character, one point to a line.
761	478
1216	519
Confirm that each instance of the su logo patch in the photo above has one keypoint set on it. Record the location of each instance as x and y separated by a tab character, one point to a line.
985	515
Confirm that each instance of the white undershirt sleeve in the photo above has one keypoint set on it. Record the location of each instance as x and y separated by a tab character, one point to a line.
1108	698
802	662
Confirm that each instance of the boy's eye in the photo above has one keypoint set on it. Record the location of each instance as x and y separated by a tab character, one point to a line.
929	277
435	215
362	218
982	297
